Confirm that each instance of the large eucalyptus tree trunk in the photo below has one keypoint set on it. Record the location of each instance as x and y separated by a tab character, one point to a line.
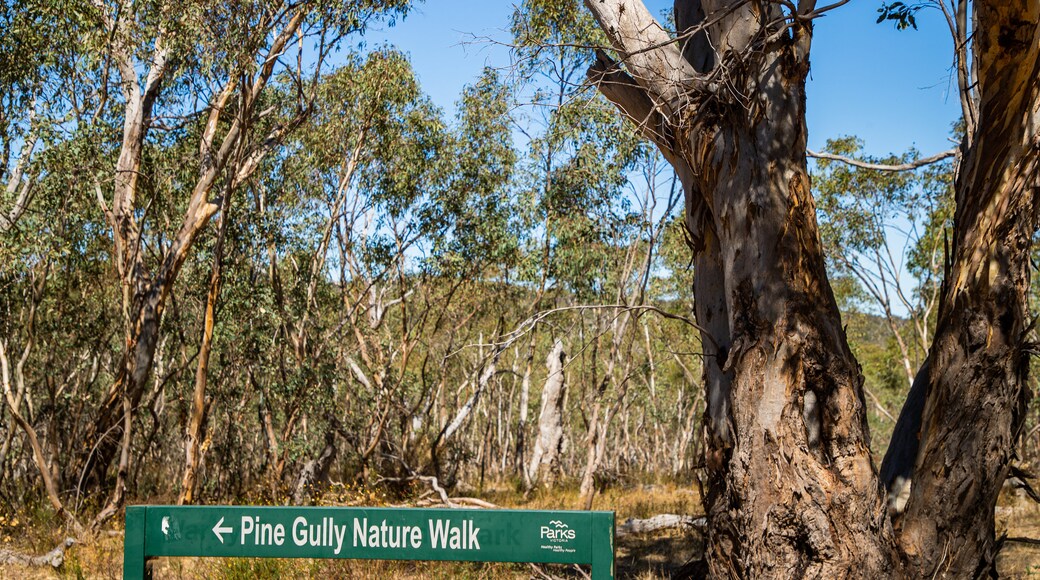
974	390
792	490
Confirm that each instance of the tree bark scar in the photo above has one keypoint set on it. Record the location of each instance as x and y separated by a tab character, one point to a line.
978	332
1015	35
798	185
793	69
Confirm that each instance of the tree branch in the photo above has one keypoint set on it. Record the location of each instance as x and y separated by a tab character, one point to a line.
18	182
648	51
631	99
883	166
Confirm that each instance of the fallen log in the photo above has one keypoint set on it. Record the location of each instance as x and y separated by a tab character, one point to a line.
55	558
659	522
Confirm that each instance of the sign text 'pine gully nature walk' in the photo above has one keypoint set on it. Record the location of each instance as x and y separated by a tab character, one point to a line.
563	537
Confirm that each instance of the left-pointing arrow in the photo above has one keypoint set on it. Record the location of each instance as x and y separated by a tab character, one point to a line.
219	529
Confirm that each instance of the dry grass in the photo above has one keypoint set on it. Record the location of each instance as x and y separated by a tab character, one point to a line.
644	557
1019	517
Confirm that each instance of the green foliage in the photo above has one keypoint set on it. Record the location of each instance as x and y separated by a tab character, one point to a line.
371	265
373	134
475	211
861	210
884	233
548	29
903	14
580	153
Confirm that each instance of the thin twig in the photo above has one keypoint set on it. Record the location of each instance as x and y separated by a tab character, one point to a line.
530	323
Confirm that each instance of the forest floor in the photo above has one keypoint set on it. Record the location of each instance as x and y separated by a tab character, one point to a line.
639	556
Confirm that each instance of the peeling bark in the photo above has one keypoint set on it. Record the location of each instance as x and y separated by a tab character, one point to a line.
196	430
792	489
788	452
977	390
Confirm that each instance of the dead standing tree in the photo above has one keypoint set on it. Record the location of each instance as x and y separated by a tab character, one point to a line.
793	490
549	444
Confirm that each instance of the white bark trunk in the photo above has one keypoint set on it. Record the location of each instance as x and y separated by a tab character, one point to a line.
546	453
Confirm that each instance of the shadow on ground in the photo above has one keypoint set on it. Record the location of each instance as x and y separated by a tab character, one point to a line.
663	554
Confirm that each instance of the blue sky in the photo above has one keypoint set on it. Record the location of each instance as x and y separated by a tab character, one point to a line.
891	88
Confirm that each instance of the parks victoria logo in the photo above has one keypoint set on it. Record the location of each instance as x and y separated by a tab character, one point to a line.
557	536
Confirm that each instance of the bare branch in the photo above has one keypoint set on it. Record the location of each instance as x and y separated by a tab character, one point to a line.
18	181
884	166
530	323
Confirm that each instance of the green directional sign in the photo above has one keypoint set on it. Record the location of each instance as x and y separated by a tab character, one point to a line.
564	537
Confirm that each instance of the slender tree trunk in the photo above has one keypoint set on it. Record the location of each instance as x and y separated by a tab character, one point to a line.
41	460
600	420
145	292
20	186
520	451
142	300
599	430
586	490
489	370
199	407
118	493
106	432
